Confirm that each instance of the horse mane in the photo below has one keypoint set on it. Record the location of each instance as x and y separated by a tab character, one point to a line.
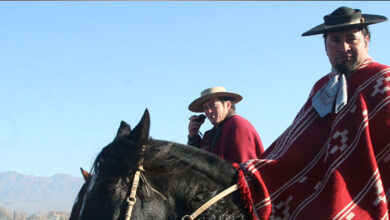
165	153
120	157
202	176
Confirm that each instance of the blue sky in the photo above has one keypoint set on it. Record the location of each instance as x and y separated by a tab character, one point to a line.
71	71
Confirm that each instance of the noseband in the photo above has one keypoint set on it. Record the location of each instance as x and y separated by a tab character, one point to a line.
132	197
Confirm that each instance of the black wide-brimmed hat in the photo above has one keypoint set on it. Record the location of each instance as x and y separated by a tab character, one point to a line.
344	18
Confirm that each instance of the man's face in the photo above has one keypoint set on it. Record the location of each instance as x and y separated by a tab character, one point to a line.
346	50
216	110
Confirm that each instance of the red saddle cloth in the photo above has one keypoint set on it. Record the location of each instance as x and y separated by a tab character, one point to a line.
335	167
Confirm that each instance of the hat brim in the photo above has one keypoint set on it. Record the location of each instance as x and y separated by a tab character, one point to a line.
197	104
322	28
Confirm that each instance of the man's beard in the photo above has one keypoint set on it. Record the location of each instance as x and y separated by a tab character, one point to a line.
346	67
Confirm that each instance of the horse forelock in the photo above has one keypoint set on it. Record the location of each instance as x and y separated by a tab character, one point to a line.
117	158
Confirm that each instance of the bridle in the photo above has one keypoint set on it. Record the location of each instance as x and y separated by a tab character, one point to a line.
133	191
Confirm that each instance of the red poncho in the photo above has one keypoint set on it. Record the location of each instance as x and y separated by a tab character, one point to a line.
236	141
335	167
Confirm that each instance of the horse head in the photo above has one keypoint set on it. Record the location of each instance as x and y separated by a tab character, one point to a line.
175	181
112	171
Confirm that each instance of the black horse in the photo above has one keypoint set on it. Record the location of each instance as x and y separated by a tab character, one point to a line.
177	179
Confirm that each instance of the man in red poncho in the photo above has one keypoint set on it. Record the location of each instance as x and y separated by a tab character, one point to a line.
233	138
333	161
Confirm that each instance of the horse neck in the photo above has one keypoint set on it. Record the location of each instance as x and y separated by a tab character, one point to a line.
191	177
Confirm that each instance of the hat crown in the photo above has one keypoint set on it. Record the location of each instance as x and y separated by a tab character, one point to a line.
343	15
212	90
343	11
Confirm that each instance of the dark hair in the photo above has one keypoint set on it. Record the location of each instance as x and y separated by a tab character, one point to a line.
224	99
365	30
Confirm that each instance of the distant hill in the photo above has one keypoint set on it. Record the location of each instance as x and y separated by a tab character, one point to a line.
33	194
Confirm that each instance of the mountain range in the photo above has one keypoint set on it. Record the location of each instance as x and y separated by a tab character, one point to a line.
32	194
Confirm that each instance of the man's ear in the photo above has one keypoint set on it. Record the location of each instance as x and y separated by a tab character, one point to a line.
367	41
228	104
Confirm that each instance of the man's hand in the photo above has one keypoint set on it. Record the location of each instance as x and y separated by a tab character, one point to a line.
194	125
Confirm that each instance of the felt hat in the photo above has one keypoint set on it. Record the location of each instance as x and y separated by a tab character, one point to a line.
344	18
211	93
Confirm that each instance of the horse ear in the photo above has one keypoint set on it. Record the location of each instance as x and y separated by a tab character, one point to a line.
85	174
140	133
124	129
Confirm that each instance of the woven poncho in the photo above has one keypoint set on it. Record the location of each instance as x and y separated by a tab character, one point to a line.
335	167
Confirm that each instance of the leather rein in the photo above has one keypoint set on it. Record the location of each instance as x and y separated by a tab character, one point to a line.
133	191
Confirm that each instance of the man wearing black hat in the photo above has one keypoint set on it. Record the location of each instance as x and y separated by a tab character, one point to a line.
333	162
